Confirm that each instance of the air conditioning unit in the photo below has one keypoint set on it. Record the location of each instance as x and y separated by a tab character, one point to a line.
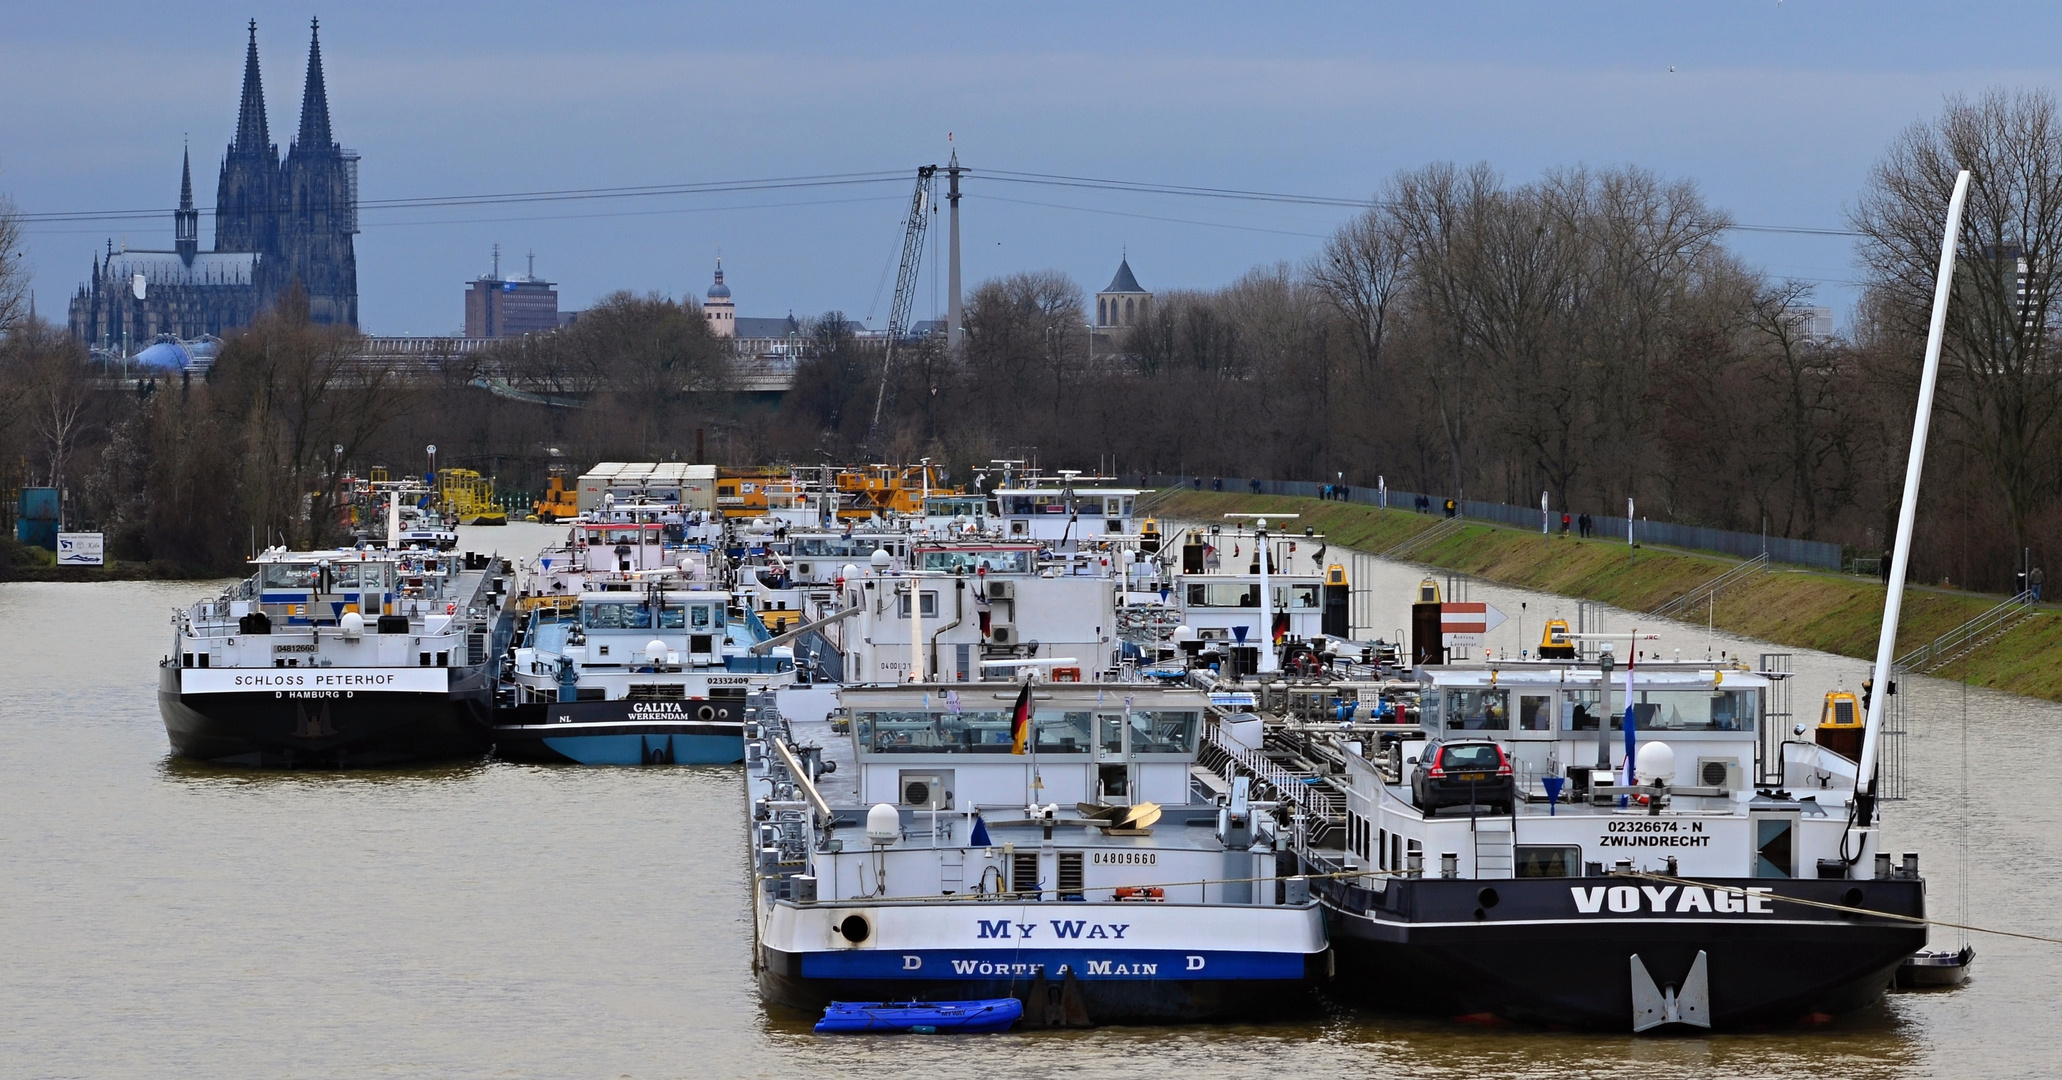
1002	634
1719	773
922	790
1002	590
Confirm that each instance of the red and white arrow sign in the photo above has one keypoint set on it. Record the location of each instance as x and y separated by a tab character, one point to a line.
1464	624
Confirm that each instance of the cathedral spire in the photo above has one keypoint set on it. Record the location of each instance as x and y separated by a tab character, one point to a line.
252	133
314	98
186	220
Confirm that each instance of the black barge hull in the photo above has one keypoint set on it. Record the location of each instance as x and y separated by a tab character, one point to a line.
299	725
1559	951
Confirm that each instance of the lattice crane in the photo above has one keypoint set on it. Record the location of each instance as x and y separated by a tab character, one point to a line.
905	286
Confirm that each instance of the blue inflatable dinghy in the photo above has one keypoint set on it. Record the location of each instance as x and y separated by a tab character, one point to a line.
924	1017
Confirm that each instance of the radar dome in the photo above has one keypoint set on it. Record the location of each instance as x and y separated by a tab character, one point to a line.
655	651
352	624
881	559
883	824
1656	761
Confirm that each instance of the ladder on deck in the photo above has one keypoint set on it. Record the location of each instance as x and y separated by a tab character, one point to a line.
952	870
1705	593
1493	850
1306	791
1969	637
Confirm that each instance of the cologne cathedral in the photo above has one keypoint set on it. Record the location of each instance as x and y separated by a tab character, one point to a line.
277	222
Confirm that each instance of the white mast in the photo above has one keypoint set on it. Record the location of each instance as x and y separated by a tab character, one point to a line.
1900	557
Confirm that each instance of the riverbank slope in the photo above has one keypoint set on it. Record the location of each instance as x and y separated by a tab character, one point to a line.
1811	609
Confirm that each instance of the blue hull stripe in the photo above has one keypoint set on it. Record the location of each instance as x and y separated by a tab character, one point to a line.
636	749
1087	964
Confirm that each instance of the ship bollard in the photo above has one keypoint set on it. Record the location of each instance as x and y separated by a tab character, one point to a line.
1882	866
1449	864
1296	891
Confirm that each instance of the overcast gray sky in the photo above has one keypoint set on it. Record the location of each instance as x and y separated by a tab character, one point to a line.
1776	109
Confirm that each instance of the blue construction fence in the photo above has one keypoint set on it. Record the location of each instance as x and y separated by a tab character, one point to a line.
1813	553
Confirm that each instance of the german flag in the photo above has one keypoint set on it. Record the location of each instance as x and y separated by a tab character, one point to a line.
1020	720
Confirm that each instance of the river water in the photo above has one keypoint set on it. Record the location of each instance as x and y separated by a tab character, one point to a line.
159	918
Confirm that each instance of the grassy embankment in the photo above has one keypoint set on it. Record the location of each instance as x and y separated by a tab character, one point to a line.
1836	613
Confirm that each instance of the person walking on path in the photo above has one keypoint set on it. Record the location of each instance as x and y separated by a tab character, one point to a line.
1883	568
2034	578
1449	508
1564	523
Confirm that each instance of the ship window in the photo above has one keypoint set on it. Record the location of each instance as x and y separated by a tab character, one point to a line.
1478	710
968	732
1112	726
1295	597
1224	594
1382	849
930	605
1699	709
672	618
289	576
1016	561
1163	731
699	618
1579	709
1395	851
1533	714
1548	861
618	616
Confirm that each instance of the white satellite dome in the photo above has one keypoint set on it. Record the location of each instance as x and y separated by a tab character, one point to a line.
883	824
1655	761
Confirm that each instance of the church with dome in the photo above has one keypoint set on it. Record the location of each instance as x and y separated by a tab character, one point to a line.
278	222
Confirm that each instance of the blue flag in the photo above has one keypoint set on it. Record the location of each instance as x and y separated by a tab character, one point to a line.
980	834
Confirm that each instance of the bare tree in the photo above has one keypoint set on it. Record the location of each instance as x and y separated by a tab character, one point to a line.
14	272
1361	274
294	390
2001	380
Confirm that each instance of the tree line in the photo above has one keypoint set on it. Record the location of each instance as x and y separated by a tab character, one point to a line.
1587	334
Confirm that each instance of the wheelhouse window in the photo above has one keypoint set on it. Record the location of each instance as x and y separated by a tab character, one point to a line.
289	576
1224	594
993	561
1163	731
1691	710
930	605
1478	710
617	616
1580	709
969	732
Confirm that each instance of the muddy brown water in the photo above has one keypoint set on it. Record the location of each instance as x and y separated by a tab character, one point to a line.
160	918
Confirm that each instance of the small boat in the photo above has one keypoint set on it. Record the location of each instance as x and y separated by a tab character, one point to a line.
922	1017
1931	968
